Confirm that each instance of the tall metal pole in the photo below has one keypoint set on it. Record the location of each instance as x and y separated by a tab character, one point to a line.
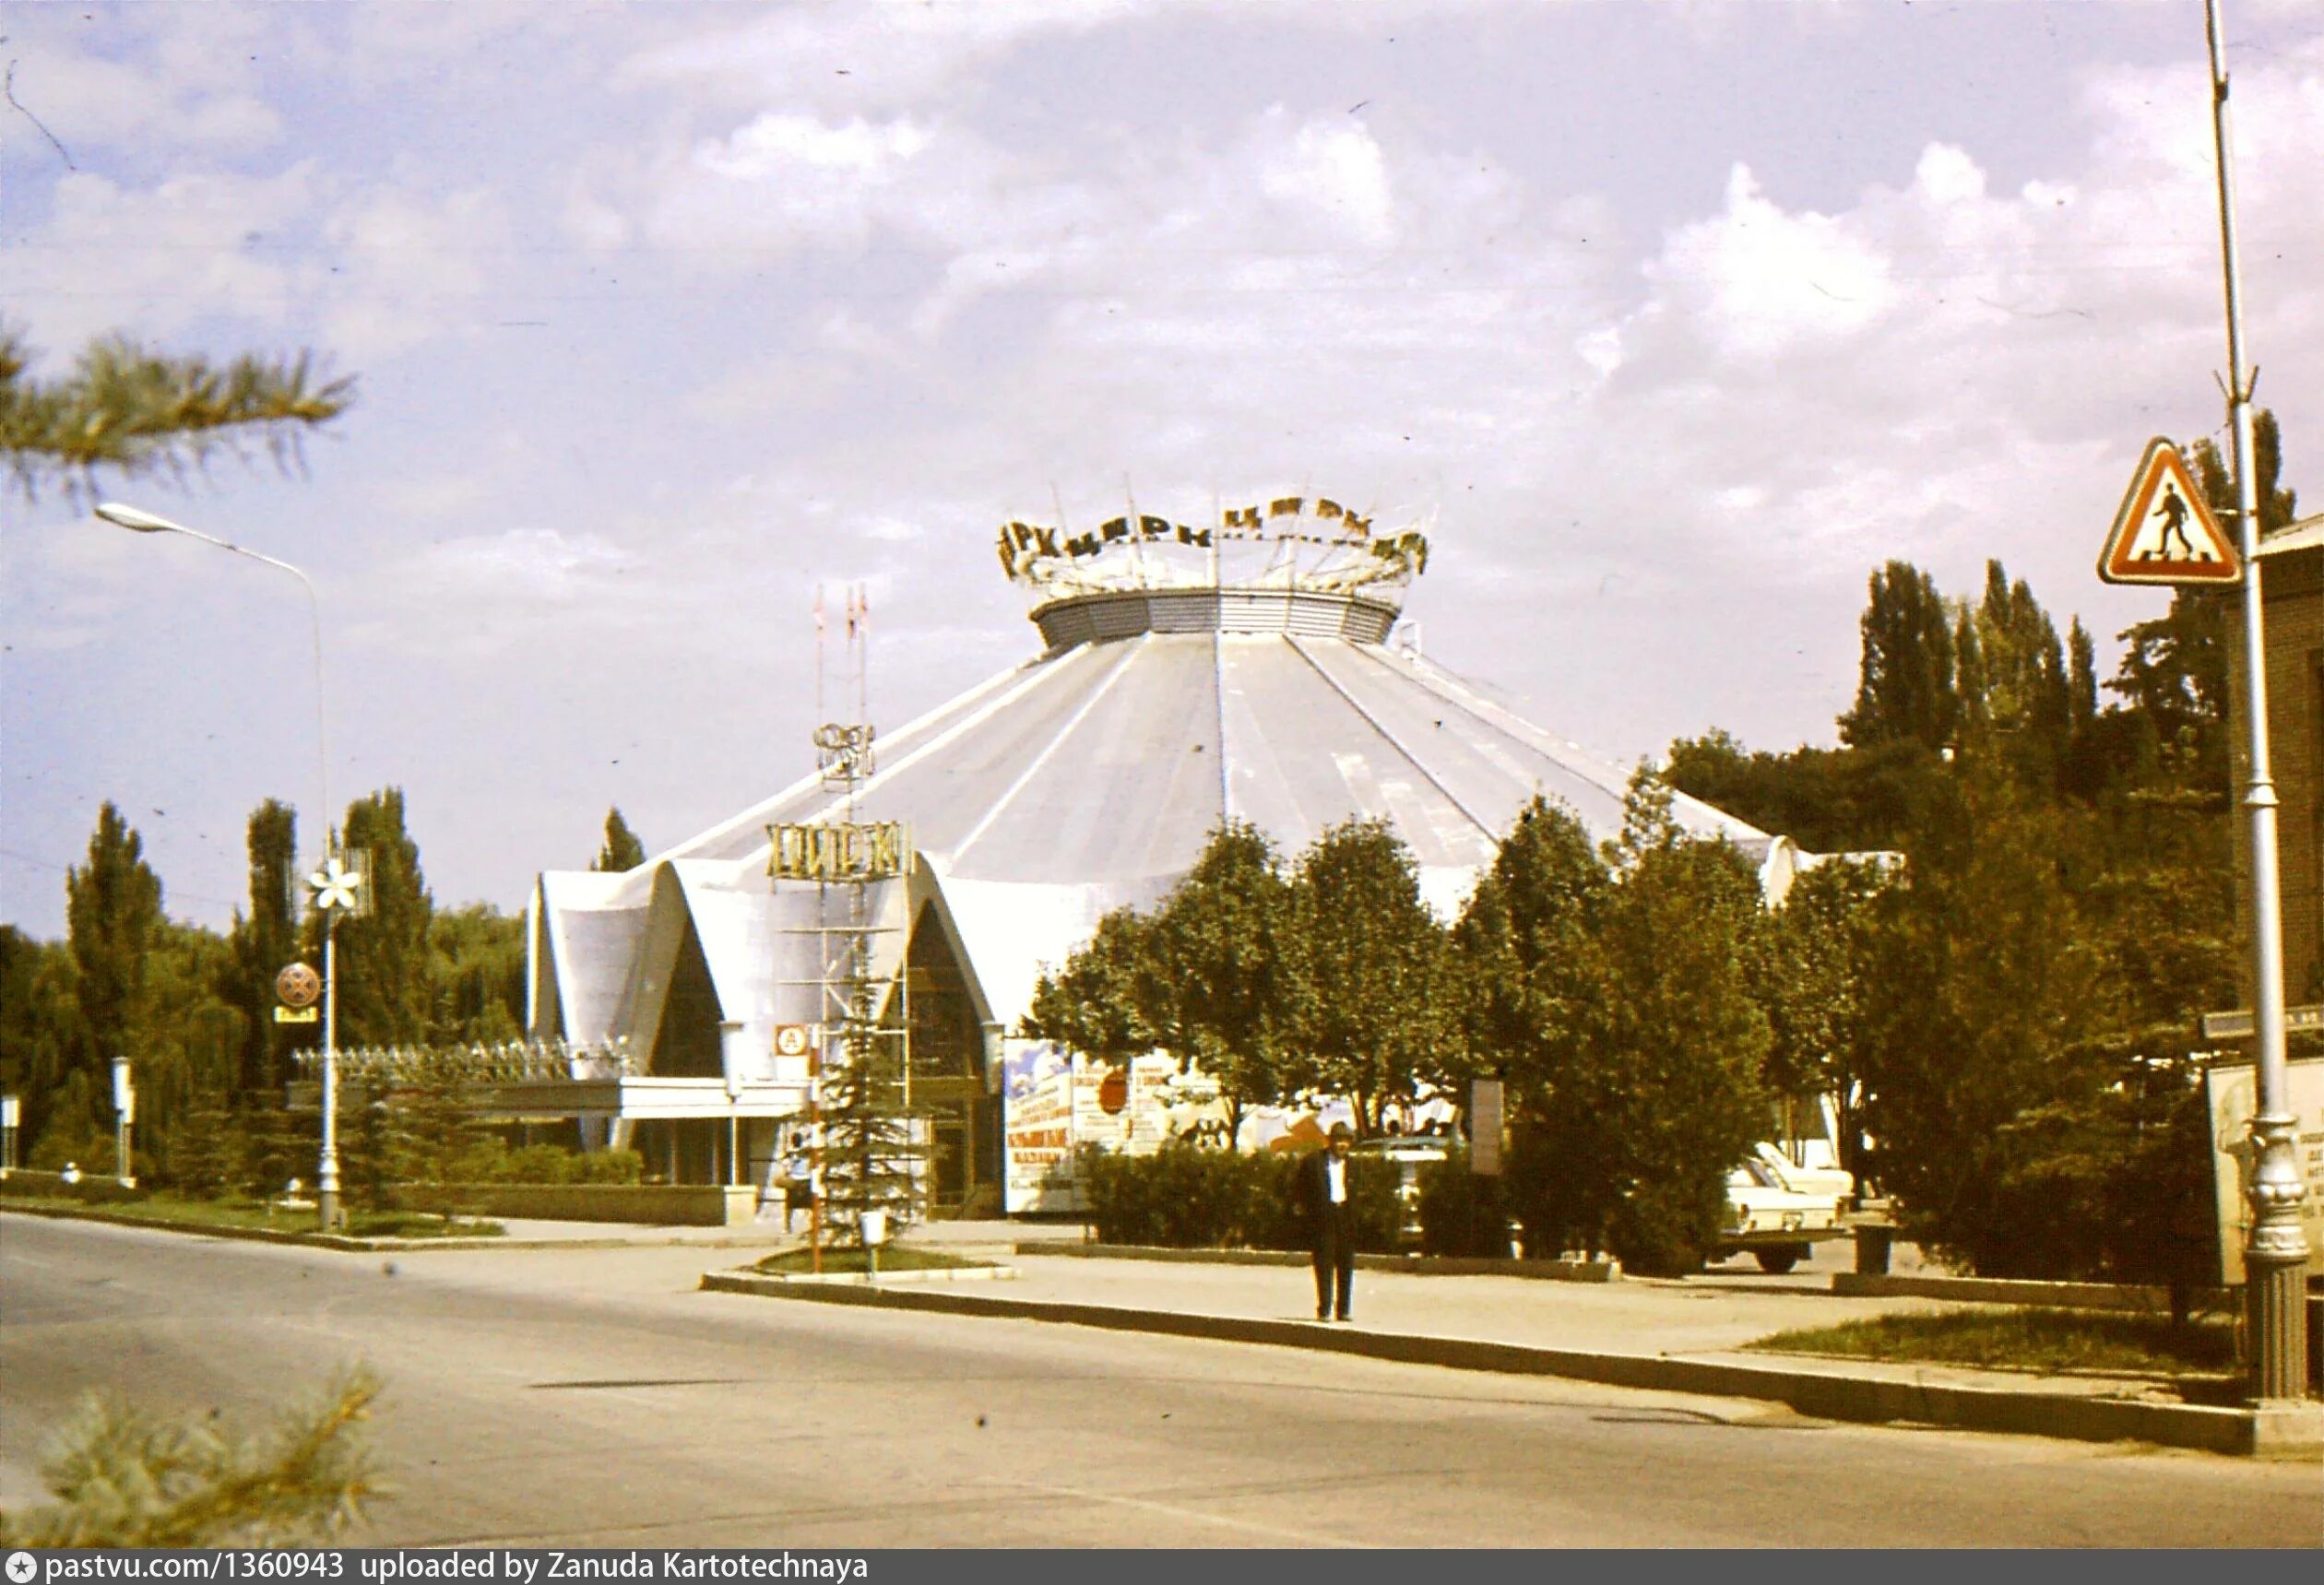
2275	1250
326	1184
326	1180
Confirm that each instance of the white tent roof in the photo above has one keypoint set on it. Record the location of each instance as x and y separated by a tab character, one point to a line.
1091	777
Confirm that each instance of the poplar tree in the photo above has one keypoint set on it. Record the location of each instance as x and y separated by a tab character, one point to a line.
112	911
385	994
1906	670
622	850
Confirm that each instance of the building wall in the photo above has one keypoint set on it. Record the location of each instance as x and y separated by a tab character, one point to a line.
2293	589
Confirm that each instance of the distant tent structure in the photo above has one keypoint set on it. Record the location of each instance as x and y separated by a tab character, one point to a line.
1242	670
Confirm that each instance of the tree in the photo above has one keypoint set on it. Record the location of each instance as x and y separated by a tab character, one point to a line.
1816	972
1372	1009
1103	1001
1535	989
476	966
1218	960
1984	983
112	911
266	938
1532	978
622	850
1906	674
137	413
1687	1040
41	1031
385	994
122	1477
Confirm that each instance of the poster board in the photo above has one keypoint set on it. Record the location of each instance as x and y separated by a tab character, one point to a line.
2231	1091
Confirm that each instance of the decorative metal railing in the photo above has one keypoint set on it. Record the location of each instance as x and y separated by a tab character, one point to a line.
508	1062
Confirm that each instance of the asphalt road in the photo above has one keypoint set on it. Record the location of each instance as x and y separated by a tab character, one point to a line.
595	1398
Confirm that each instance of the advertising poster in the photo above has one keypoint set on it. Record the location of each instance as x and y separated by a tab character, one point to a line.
1038	1127
2233	1093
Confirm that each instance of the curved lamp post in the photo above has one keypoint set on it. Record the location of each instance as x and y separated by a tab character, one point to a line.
326	1181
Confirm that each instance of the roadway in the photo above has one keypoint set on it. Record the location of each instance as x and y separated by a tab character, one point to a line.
595	1398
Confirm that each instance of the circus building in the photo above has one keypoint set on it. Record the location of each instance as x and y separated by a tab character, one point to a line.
1248	669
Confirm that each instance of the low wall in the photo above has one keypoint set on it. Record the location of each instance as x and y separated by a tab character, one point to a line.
90	1190
647	1204
1410	1265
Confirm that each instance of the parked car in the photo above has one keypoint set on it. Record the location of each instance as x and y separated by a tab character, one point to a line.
1775	1221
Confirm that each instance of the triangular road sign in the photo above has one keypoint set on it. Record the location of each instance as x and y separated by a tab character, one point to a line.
2165	533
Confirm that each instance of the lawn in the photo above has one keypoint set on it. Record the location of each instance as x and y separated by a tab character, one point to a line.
893	1258
167	1212
2038	1340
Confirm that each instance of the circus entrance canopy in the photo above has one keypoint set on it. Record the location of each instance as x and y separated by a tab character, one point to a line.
1243	669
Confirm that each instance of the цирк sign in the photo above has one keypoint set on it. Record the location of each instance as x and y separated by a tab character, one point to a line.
879	850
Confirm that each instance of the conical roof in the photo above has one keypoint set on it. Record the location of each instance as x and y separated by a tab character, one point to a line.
1091	775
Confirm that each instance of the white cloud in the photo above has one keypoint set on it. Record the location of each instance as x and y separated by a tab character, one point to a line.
412	265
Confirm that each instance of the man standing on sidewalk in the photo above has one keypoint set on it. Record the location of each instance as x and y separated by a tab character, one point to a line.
1323	1196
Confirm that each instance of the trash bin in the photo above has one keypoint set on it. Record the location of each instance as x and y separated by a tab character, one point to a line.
1872	1242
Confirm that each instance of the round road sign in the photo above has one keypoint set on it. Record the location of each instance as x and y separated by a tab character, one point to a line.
298	985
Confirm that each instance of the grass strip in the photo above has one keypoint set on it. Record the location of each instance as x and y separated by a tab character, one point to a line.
2040	1340
836	1262
165	1211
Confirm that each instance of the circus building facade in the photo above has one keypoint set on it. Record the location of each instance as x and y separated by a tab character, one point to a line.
1243	669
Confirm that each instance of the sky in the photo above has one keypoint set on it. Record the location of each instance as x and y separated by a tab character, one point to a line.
1680	318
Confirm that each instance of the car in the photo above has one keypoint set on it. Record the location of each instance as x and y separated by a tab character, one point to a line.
1774	1222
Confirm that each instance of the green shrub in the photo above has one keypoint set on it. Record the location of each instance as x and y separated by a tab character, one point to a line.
1462	1213
1187	1198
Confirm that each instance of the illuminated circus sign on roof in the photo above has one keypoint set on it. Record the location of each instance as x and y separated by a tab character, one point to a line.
1292	542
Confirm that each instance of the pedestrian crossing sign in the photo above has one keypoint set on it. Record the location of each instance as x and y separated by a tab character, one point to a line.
2164	532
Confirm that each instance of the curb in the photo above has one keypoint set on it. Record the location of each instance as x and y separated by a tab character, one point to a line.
342	1242
2294	1432
749	1282
1410	1265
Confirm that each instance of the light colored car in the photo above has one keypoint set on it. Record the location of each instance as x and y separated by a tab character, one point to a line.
1773	1221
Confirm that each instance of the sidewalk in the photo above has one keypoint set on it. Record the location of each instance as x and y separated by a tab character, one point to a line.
1685	1336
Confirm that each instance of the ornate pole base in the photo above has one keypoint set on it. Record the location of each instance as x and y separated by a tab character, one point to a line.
2276	1265
330	1217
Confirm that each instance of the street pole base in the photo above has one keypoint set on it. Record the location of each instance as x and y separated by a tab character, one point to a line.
329	1216
2276	1295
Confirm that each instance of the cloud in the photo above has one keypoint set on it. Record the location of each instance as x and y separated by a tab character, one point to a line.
411	265
860	56
152	78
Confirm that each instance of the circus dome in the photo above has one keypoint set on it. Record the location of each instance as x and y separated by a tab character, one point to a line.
1243	671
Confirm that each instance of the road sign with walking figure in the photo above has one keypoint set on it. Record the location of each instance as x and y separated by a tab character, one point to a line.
2165	533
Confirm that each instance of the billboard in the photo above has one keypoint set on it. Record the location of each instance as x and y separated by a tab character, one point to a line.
1054	1102
2233	1093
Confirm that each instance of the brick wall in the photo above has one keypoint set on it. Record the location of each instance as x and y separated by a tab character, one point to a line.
2292	589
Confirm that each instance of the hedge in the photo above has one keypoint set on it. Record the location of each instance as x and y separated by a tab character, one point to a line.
1185	1198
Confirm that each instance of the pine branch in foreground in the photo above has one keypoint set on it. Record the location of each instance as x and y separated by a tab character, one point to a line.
122	1476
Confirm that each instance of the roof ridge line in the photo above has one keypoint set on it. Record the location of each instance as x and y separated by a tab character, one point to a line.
1392	740
805	783
1026	776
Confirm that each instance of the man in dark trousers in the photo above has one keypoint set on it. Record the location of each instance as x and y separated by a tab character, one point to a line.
1325	1196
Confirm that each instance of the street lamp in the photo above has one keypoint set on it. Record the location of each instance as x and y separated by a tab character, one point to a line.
326	1169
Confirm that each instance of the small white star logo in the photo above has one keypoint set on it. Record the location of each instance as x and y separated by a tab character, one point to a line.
335	884
22	1566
